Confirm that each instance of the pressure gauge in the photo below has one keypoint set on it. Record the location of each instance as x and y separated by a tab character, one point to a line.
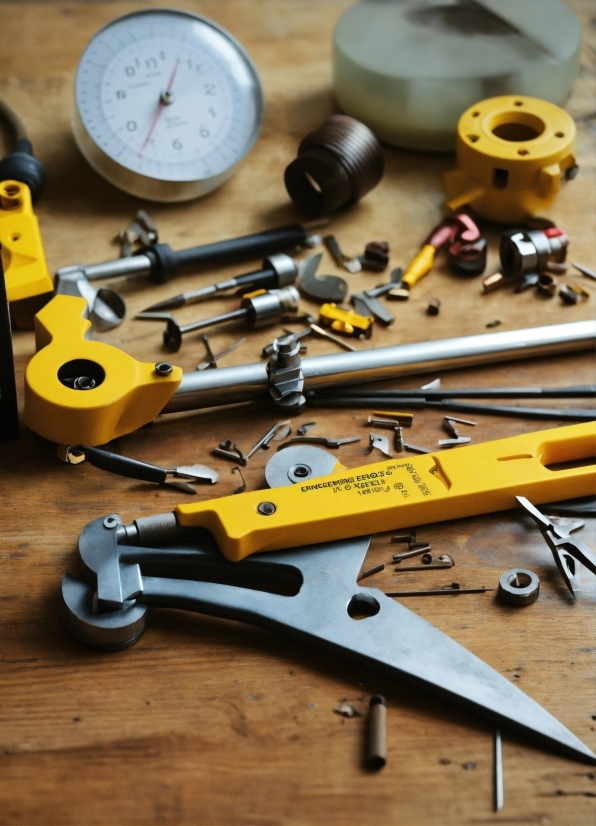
167	103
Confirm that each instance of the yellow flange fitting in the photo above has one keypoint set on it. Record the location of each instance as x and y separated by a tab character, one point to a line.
28	282
79	391
512	153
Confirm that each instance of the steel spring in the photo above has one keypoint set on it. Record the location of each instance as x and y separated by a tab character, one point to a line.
337	164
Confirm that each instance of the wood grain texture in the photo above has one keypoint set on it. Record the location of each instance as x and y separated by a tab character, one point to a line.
213	722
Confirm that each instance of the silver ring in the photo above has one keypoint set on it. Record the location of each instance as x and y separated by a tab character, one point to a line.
519	587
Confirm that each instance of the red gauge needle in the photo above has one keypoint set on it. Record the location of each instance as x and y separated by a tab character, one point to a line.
160	107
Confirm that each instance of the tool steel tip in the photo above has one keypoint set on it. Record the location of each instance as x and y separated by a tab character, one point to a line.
167	304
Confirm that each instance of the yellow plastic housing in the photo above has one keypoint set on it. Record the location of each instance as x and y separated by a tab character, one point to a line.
404	492
127	395
419	266
345	321
512	154
23	257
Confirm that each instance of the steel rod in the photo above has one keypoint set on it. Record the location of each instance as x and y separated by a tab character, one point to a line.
248	382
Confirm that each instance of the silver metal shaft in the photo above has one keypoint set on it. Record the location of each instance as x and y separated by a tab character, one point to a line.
247	382
216	319
133	265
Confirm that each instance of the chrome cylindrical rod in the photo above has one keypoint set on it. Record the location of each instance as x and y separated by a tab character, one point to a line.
133	265
248	382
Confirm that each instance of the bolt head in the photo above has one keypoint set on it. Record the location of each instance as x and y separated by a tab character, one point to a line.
83	383
163	368
266	508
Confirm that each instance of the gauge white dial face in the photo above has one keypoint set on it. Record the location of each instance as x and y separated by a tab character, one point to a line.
168	95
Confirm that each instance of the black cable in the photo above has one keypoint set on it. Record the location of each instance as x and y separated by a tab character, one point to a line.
20	165
13	121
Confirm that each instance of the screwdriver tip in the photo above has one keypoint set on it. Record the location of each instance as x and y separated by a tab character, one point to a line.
153	316
167	304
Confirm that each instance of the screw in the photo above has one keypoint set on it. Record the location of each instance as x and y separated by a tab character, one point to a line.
84	383
163	368
301	471
266	508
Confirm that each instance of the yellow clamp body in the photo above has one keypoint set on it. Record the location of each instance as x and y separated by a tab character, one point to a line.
23	257
512	153
402	493
127	393
346	321
253	294
419	266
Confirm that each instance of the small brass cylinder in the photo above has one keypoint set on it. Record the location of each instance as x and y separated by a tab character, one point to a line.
377	733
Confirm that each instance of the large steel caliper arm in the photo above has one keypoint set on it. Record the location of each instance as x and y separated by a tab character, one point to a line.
318	597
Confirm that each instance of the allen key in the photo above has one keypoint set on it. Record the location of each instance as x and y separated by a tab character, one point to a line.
424	549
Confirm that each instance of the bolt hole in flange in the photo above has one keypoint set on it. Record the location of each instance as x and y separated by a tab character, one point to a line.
362	606
517	127
81	374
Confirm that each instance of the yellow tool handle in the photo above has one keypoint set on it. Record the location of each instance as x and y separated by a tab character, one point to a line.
23	256
402	493
420	266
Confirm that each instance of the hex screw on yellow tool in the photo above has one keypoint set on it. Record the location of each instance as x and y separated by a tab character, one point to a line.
513	152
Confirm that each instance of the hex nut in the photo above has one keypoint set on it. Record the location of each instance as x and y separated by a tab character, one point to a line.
519	586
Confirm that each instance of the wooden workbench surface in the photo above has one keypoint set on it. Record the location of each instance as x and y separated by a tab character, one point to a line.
207	721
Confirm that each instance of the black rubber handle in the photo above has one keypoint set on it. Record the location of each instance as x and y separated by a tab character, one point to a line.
260	279
247	246
122	465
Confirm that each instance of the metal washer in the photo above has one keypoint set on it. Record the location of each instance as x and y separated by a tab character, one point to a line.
515	595
298	463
